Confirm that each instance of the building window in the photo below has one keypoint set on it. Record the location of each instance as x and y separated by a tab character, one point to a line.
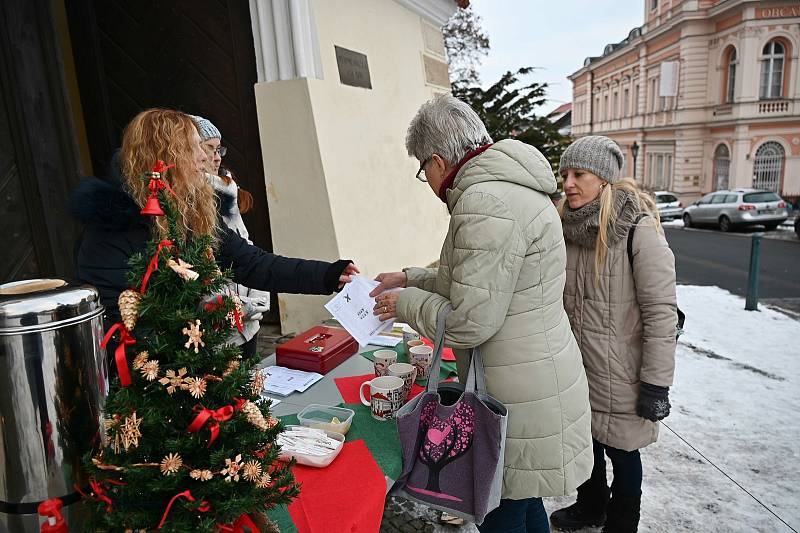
615	110
659	171
772	70
768	166
636	100
596	110
653	5
654	95
731	76
722	165
626	102
606	114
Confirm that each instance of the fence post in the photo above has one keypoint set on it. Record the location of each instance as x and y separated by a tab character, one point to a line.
751	302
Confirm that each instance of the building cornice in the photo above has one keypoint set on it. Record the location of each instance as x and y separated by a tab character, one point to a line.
437	12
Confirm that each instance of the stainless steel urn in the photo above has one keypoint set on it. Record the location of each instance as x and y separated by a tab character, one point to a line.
53	382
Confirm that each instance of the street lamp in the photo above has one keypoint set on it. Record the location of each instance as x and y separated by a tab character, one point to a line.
635	152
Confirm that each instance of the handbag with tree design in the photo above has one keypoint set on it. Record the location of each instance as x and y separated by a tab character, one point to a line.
453	441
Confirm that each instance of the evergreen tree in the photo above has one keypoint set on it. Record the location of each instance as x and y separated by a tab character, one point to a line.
466	43
189	443
508	108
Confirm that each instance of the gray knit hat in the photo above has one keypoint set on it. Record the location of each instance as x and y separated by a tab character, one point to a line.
206	128
597	154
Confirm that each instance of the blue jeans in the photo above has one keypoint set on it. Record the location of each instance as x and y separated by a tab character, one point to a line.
517	516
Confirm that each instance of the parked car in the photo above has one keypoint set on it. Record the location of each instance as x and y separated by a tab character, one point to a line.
797	226
739	207
669	207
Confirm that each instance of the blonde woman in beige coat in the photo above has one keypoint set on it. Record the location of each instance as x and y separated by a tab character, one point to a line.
502	270
624	320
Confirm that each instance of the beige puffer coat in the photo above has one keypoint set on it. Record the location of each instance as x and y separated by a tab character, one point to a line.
625	327
502	269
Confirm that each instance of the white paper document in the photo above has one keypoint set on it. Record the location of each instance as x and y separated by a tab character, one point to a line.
284	381
353	309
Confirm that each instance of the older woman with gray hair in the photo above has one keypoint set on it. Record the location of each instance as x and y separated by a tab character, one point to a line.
502	268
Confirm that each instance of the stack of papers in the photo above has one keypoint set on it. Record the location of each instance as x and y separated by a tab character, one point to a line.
352	308
284	381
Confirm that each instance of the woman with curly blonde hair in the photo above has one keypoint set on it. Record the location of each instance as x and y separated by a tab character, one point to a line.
115	229
621	304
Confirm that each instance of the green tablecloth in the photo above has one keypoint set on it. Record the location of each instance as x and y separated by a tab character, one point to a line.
381	440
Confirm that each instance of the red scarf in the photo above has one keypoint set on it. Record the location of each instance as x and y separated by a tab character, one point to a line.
451	177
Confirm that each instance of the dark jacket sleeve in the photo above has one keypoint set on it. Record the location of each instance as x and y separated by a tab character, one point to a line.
262	270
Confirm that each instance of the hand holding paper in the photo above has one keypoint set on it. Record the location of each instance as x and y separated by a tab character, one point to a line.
353	308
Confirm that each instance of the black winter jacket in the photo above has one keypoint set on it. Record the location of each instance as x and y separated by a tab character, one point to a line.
114	230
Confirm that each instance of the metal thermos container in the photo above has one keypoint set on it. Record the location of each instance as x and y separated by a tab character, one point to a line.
53	382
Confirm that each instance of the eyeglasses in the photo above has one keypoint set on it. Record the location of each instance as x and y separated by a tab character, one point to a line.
421	172
221	150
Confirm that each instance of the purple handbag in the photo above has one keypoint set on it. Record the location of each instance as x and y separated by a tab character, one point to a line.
453	442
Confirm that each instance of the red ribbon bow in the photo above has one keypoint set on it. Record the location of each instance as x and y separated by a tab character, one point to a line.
51	510
153	266
99	492
125	339
161	167
213	418
213	305
203	507
238	526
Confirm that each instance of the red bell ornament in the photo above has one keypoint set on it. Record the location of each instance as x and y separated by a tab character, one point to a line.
153	207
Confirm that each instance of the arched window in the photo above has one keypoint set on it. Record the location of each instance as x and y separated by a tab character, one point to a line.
722	165
772	70
729	90
768	166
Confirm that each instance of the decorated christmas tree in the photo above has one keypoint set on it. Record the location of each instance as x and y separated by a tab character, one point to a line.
189	442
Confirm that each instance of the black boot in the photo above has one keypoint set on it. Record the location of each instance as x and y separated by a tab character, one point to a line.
589	510
623	514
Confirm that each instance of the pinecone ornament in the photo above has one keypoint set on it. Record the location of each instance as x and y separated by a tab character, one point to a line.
255	416
129	307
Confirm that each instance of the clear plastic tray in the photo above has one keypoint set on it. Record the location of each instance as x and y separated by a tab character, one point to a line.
321	417
319	461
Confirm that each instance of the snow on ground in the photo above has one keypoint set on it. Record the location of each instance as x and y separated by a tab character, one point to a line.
675	222
736	400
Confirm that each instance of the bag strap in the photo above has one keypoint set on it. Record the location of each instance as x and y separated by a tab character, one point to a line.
476	379
438	346
636	221
639	217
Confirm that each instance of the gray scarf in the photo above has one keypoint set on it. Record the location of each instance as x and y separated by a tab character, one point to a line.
581	225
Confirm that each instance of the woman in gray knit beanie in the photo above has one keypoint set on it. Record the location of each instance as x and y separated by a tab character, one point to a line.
620	299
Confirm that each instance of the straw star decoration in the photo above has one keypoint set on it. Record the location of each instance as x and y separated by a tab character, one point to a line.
150	370
140	360
195	386
171	464
232	467
130	432
251	471
233	365
183	269
195	336
264	481
174	379
257	384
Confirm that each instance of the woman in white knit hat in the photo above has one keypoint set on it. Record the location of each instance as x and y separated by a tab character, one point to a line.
620	299
233	202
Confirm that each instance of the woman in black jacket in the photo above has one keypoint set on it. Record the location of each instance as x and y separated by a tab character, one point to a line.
115	229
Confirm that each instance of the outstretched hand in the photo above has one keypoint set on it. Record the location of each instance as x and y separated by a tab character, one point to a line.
389	280
347	275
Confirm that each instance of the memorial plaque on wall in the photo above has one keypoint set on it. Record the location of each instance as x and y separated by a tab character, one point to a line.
353	68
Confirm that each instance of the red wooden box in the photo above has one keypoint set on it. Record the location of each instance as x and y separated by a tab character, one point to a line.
320	349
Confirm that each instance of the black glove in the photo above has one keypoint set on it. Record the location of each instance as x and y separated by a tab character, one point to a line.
653	403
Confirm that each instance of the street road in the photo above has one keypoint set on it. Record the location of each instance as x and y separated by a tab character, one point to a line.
704	257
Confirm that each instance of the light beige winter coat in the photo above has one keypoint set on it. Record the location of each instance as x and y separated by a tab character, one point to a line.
502	269
625	327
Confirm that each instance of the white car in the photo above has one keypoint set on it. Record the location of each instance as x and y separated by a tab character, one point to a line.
669	207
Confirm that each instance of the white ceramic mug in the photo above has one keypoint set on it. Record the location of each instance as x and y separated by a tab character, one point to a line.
410	344
409	334
407	372
421	357
386	396
382	360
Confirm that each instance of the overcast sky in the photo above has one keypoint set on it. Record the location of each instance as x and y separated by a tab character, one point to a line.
554	35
